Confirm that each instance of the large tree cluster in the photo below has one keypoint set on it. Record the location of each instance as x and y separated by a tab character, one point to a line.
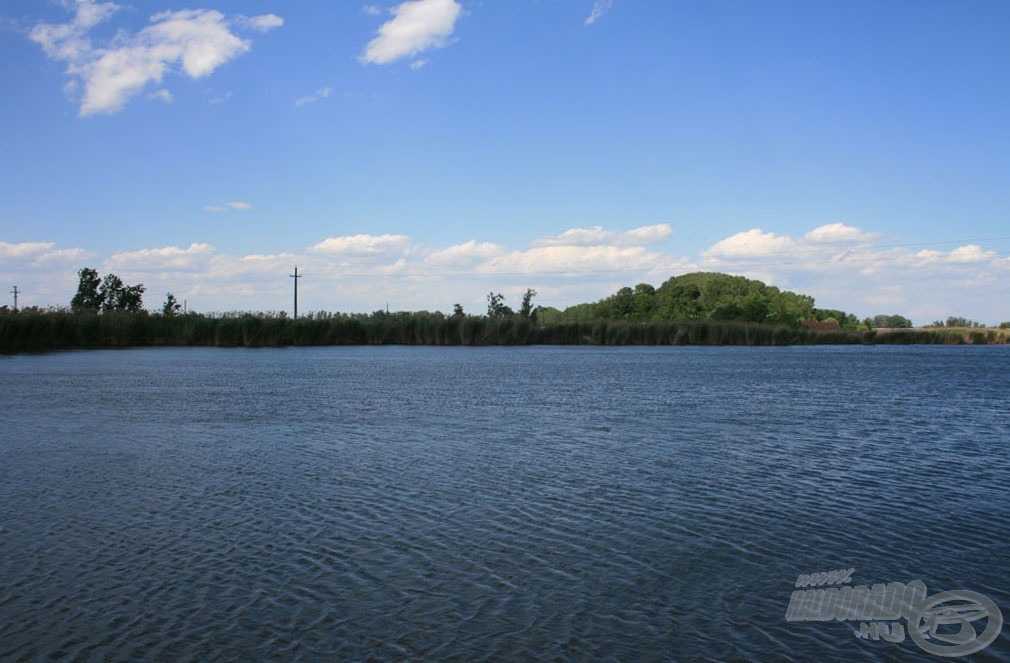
106	294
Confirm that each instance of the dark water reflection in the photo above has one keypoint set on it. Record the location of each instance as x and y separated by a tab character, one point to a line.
490	504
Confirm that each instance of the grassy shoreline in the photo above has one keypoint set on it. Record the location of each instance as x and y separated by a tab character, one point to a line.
64	330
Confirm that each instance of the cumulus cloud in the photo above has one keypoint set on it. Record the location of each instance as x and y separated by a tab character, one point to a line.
600	7
237	205
69	41
362	245
318	95
161	95
575	259
169	257
37	253
750	244
65	256
23	250
263	23
830	247
416	26
971	253
191	42
841	266
596	236
465	254
839	233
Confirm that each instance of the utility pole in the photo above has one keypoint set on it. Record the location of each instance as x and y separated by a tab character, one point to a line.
296	276
14	291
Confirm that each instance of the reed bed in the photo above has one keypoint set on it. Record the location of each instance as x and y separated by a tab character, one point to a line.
63	329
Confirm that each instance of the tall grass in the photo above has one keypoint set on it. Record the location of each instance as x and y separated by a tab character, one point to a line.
35	331
944	336
62	329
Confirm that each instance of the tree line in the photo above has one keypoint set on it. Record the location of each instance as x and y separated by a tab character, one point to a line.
694	296
708	296
108	294
698	308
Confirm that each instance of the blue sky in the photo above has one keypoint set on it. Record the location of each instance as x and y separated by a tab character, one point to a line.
426	152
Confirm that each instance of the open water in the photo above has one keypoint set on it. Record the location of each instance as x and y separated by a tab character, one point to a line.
541	503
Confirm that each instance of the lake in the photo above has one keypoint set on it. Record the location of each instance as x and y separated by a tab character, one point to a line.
532	503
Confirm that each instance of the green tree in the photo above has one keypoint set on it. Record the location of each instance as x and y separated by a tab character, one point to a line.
108	294
132	298
844	320
88	297
790	308
527	310
171	306
618	306
457	311
888	322
111	291
496	307
958	321
679	301
643	301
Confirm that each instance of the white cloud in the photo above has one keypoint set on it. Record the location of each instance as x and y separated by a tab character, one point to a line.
161	95
600	7
596	236
465	254
417	64
220	98
971	253
191	42
239	205
37	253
821	249
169	257
362	245
66	256
416	26
648	235
575	259
263	23
69	41
24	250
750	244
839	265
321	93
838	233
371	10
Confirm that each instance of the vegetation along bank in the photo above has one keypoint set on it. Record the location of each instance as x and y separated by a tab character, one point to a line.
691	309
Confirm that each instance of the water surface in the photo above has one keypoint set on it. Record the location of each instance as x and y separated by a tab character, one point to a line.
556	503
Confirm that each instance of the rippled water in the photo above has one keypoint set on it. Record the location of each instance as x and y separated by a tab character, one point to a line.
578	503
